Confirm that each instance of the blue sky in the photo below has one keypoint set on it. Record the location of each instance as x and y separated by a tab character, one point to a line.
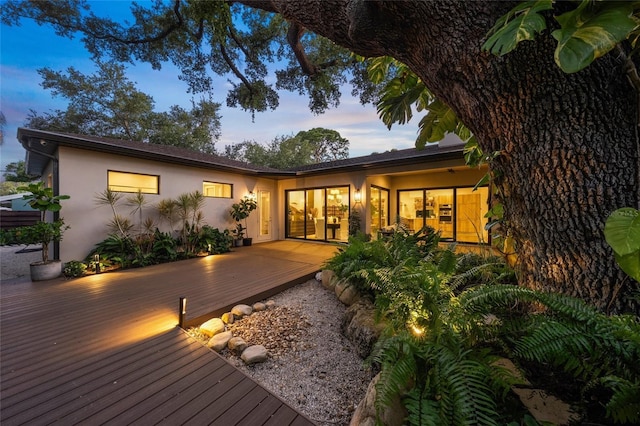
29	47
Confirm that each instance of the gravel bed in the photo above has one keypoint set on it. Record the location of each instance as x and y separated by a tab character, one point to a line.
311	366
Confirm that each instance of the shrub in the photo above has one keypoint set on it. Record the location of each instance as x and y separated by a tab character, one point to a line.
74	268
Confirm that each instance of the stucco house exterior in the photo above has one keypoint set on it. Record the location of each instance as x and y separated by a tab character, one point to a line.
431	186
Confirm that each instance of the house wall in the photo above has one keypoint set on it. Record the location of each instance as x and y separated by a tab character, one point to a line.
83	174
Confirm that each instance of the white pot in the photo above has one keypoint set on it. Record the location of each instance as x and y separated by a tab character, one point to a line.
45	271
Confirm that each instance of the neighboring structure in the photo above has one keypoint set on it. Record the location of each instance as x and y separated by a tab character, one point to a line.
431	186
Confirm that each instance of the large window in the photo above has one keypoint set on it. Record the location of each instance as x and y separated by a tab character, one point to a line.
318	213
379	204
133	182
217	190
458	213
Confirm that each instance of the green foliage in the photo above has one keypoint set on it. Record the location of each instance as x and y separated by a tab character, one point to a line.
622	232
241	210
585	33
164	247
285	152
449	318
214	241
107	104
74	268
16	172
43	199
523	22
597	349
115	249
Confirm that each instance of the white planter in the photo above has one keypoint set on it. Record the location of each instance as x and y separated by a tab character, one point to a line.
45	271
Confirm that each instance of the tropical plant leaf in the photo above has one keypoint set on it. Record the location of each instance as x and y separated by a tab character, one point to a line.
438	122
589	32
630	264
523	22
622	231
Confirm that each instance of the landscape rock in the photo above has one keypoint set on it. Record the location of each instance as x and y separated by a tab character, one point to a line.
270	304
546	408
360	328
212	327
346	292
365	414
228	318
319	276
220	341
328	279
237	345
254	354
240	311
259	307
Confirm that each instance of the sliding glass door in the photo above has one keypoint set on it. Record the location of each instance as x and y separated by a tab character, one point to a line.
318	213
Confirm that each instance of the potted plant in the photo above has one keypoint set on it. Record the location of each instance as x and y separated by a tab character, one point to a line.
241	211
238	234
43	199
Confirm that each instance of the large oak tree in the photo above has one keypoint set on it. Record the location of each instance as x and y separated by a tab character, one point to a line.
568	143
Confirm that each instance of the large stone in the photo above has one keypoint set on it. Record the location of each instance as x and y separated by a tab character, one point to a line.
365	414
254	354
212	327
237	345
546	408
319	276
360	328
346	292
240	311
220	341
259	307
270	304
227	318
328	279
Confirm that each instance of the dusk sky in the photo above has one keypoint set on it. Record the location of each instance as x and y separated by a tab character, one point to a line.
29	47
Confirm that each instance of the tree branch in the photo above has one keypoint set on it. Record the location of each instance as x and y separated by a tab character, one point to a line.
233	67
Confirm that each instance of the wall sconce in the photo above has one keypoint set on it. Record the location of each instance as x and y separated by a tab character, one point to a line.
357	197
182	311
252	195
96	262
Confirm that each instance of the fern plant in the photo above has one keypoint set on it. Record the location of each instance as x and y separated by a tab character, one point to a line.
429	354
603	351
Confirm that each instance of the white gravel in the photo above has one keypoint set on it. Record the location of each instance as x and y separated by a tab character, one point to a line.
312	366
15	265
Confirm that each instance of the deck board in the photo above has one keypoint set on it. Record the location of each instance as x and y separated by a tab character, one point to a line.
106	349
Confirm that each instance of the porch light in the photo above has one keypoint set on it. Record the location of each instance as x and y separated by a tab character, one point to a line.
182	311
96	262
357	197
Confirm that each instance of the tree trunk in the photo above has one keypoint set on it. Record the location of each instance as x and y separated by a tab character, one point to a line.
568	143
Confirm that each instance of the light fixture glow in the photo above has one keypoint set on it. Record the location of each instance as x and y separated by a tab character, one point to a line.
357	196
182	311
96	262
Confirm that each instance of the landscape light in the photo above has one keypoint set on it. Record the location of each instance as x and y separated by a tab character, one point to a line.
182	311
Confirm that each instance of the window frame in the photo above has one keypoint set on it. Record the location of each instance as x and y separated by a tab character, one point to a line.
157	180
230	185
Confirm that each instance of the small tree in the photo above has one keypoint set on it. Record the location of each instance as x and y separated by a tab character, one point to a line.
241	211
43	232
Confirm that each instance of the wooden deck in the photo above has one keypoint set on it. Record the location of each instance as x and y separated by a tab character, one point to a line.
105	349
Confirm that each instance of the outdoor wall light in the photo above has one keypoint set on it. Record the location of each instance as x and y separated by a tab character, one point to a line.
252	195
182	311
96	262
357	197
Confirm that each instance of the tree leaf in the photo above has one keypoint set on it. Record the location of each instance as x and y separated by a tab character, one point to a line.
523	22
630	264
587	33
438	122
622	231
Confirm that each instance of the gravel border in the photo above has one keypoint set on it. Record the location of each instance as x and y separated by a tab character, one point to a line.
311	366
